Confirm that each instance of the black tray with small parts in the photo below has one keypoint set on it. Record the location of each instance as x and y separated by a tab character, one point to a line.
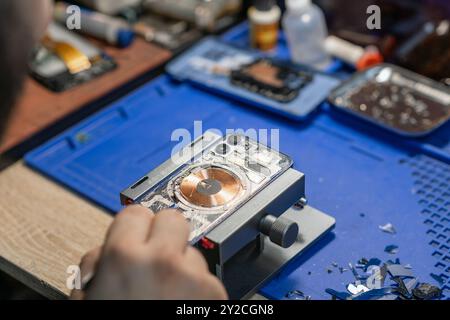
396	99
272	80
65	80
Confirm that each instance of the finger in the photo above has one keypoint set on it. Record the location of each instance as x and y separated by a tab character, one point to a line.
131	226
88	265
171	230
217	291
195	259
77	294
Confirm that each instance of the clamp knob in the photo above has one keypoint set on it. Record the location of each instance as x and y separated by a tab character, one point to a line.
280	231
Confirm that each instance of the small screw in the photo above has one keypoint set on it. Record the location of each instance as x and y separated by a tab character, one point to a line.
300	204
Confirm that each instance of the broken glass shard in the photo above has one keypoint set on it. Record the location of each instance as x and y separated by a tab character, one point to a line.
397	270
426	291
388	228
391	249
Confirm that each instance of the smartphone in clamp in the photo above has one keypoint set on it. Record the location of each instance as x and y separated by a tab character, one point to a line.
245	203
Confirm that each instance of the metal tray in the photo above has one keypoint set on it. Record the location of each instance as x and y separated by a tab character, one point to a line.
395	99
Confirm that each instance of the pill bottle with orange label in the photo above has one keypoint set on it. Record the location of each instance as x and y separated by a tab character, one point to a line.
264	18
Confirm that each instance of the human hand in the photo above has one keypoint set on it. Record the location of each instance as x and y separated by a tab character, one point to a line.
147	256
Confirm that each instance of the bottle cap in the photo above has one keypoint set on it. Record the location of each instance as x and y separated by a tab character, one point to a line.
124	38
259	16
295	5
369	59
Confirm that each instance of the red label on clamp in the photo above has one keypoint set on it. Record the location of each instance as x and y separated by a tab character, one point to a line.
207	244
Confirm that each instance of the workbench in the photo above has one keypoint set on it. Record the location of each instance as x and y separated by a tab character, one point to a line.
39	108
359	174
45	228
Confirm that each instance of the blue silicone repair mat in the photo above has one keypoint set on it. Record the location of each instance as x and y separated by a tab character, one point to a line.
361	175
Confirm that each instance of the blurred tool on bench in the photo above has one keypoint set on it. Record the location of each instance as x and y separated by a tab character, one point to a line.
61	86
114	31
207	15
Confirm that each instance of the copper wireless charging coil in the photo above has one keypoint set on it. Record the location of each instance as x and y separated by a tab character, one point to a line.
210	187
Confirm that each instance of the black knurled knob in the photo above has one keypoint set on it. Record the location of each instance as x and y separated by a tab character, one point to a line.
281	231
